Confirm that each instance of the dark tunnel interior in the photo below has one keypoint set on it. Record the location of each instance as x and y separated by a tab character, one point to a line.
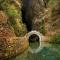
33	38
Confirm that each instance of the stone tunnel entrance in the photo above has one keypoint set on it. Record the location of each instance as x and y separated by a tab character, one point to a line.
35	39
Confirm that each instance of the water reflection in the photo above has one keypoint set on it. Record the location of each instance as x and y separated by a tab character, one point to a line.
48	52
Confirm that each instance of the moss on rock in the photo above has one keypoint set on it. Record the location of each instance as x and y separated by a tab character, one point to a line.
14	15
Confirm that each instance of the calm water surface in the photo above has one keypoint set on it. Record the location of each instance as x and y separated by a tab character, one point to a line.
48	52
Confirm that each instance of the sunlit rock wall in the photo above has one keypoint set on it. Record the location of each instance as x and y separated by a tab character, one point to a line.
52	21
10	44
13	12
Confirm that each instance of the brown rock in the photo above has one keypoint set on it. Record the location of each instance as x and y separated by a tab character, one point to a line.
10	45
3	17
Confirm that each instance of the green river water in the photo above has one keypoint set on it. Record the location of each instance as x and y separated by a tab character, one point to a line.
48	52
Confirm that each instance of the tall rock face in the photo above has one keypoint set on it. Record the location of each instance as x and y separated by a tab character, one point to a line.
10	45
33	11
41	15
11	26
52	21
13	11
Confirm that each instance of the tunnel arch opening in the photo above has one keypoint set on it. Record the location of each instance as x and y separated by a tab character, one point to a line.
35	47
33	38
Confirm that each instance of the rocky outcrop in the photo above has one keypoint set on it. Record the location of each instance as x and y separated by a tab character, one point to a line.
10	45
32	11
41	15
13	11
52	21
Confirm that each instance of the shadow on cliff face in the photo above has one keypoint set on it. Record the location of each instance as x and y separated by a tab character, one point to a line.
31	11
26	20
25	15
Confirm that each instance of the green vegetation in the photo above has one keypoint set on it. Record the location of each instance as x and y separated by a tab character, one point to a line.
42	28
14	17
55	38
